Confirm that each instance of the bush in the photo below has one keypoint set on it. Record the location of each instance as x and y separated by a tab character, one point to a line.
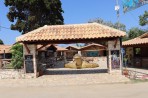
17	56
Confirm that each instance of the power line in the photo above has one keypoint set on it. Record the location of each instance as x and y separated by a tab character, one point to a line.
5	27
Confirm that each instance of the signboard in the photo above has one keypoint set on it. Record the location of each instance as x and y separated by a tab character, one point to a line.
29	63
129	5
92	53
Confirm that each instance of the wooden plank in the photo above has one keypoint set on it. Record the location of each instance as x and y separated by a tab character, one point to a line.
42	47
28	51
70	41
115	43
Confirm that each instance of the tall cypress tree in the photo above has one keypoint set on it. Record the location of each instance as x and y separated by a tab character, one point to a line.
28	15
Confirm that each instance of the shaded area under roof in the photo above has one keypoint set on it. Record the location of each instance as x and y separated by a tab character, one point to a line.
141	40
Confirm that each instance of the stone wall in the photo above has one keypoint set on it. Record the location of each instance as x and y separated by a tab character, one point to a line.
11	74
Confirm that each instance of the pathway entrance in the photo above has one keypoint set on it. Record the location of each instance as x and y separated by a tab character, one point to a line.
75	33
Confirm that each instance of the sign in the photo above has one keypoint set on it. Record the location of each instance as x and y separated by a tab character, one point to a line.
29	63
129	5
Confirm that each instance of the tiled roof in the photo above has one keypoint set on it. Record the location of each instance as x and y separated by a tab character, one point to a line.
93	45
6	48
57	47
61	48
73	47
70	32
143	39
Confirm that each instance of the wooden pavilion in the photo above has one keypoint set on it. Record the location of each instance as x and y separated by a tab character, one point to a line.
137	51
74	33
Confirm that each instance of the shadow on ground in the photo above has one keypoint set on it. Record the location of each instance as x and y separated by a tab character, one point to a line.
73	71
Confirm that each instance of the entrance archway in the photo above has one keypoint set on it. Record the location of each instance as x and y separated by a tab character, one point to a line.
75	33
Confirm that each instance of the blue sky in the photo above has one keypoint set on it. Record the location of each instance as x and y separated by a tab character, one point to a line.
78	11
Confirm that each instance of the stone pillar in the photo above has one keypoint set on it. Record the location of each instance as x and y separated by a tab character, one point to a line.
109	61
30	61
114	56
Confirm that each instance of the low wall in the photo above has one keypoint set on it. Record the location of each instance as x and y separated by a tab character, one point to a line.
11	74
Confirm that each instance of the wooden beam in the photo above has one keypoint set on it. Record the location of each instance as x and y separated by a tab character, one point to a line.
135	45
28	51
42	47
115	43
70	41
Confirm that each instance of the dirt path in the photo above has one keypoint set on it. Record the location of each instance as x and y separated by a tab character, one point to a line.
137	90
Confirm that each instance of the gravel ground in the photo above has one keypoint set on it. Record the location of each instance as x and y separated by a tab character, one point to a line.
54	78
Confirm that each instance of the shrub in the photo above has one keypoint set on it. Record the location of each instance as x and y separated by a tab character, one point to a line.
17	56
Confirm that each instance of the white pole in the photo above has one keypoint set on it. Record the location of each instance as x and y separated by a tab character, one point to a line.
117	7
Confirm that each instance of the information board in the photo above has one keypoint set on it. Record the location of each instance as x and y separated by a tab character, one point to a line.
29	63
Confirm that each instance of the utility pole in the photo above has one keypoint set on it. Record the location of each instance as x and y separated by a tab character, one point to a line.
117	7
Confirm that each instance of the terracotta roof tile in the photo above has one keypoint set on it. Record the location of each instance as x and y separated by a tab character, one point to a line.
61	48
57	47
143	39
92	45
6	48
74	47
74	31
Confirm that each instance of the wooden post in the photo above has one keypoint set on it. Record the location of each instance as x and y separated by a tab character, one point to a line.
120	55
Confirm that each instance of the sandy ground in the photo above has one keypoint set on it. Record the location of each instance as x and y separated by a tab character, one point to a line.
136	90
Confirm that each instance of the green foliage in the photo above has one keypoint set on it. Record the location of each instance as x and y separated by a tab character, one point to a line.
17	56
135	32
125	38
1	42
143	19
116	25
31	14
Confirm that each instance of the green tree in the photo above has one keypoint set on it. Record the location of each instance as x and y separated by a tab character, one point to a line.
143	19
135	32
1	42
17	56
31	14
116	25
